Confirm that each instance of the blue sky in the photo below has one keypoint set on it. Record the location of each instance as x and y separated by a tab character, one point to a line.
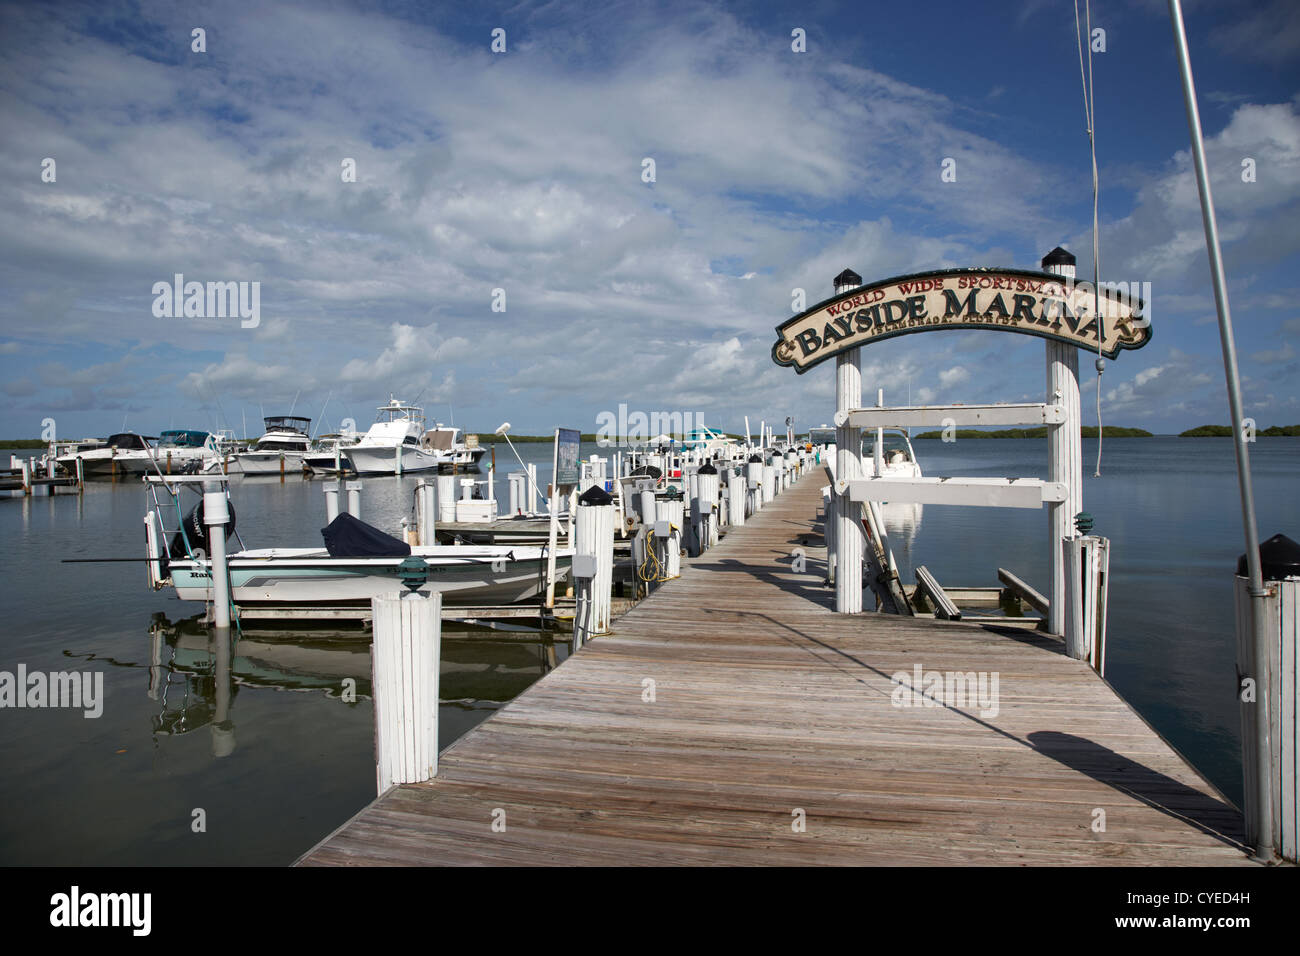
522	171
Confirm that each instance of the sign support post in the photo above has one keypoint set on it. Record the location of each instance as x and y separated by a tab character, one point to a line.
565	474
850	538
1065	456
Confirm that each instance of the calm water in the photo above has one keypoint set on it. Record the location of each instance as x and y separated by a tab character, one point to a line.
275	756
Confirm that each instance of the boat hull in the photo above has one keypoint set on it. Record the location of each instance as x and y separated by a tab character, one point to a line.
265	463
327	581
382	460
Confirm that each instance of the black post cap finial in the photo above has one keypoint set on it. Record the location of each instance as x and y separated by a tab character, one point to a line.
847	278
1059	257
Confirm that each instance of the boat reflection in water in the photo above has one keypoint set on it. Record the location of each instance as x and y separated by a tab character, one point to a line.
196	673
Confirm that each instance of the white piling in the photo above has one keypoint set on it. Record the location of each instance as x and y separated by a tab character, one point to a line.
708	495
1065	456
216	515
1087	566
769	483
426	511
754	484
594	539
331	501
354	498
850	538
405	660
1273	700
446	499
672	510
736	493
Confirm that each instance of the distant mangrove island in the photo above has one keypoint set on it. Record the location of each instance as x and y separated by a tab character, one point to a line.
1115	431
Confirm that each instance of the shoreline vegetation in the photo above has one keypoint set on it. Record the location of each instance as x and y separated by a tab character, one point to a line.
1115	431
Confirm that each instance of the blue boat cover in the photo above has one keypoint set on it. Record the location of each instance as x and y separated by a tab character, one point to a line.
349	537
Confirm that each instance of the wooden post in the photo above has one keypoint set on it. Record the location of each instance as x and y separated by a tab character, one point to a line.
405	662
850	538
1065	456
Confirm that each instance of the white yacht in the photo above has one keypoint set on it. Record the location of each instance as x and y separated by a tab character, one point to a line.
395	443
286	440
123	453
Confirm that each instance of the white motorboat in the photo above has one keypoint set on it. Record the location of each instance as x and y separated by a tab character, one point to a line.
357	563
330	453
462	453
713	445
395	444
186	451
124	453
897	459
280	451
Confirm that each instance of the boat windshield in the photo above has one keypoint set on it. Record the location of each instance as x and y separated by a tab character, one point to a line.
287	423
127	440
822	435
895	447
183	439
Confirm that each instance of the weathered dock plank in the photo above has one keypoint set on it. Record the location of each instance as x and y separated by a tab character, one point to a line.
768	709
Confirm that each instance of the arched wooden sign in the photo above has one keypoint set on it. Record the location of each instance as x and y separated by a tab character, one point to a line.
1009	300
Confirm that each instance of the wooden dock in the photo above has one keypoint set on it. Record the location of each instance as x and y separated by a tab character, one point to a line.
773	737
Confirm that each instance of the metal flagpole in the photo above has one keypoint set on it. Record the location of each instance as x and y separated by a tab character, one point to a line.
1264	834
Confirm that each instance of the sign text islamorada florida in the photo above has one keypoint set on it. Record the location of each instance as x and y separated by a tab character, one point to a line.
1031	303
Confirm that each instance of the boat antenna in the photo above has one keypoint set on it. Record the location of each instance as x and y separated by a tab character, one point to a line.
1090	118
321	417
295	401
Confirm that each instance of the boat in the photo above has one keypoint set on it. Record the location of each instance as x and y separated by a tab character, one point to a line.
898	460
714	445
123	453
187	451
358	562
280	450
395	443
329	453
462	454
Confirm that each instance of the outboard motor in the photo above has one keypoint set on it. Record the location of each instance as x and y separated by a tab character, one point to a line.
197	532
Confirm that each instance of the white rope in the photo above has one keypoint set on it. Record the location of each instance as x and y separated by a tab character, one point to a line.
1089	110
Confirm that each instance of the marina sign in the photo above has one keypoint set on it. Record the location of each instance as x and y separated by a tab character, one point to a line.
1009	300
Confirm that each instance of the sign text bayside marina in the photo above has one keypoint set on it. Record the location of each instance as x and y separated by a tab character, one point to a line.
1033	303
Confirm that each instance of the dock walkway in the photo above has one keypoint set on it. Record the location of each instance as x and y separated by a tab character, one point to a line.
773	737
